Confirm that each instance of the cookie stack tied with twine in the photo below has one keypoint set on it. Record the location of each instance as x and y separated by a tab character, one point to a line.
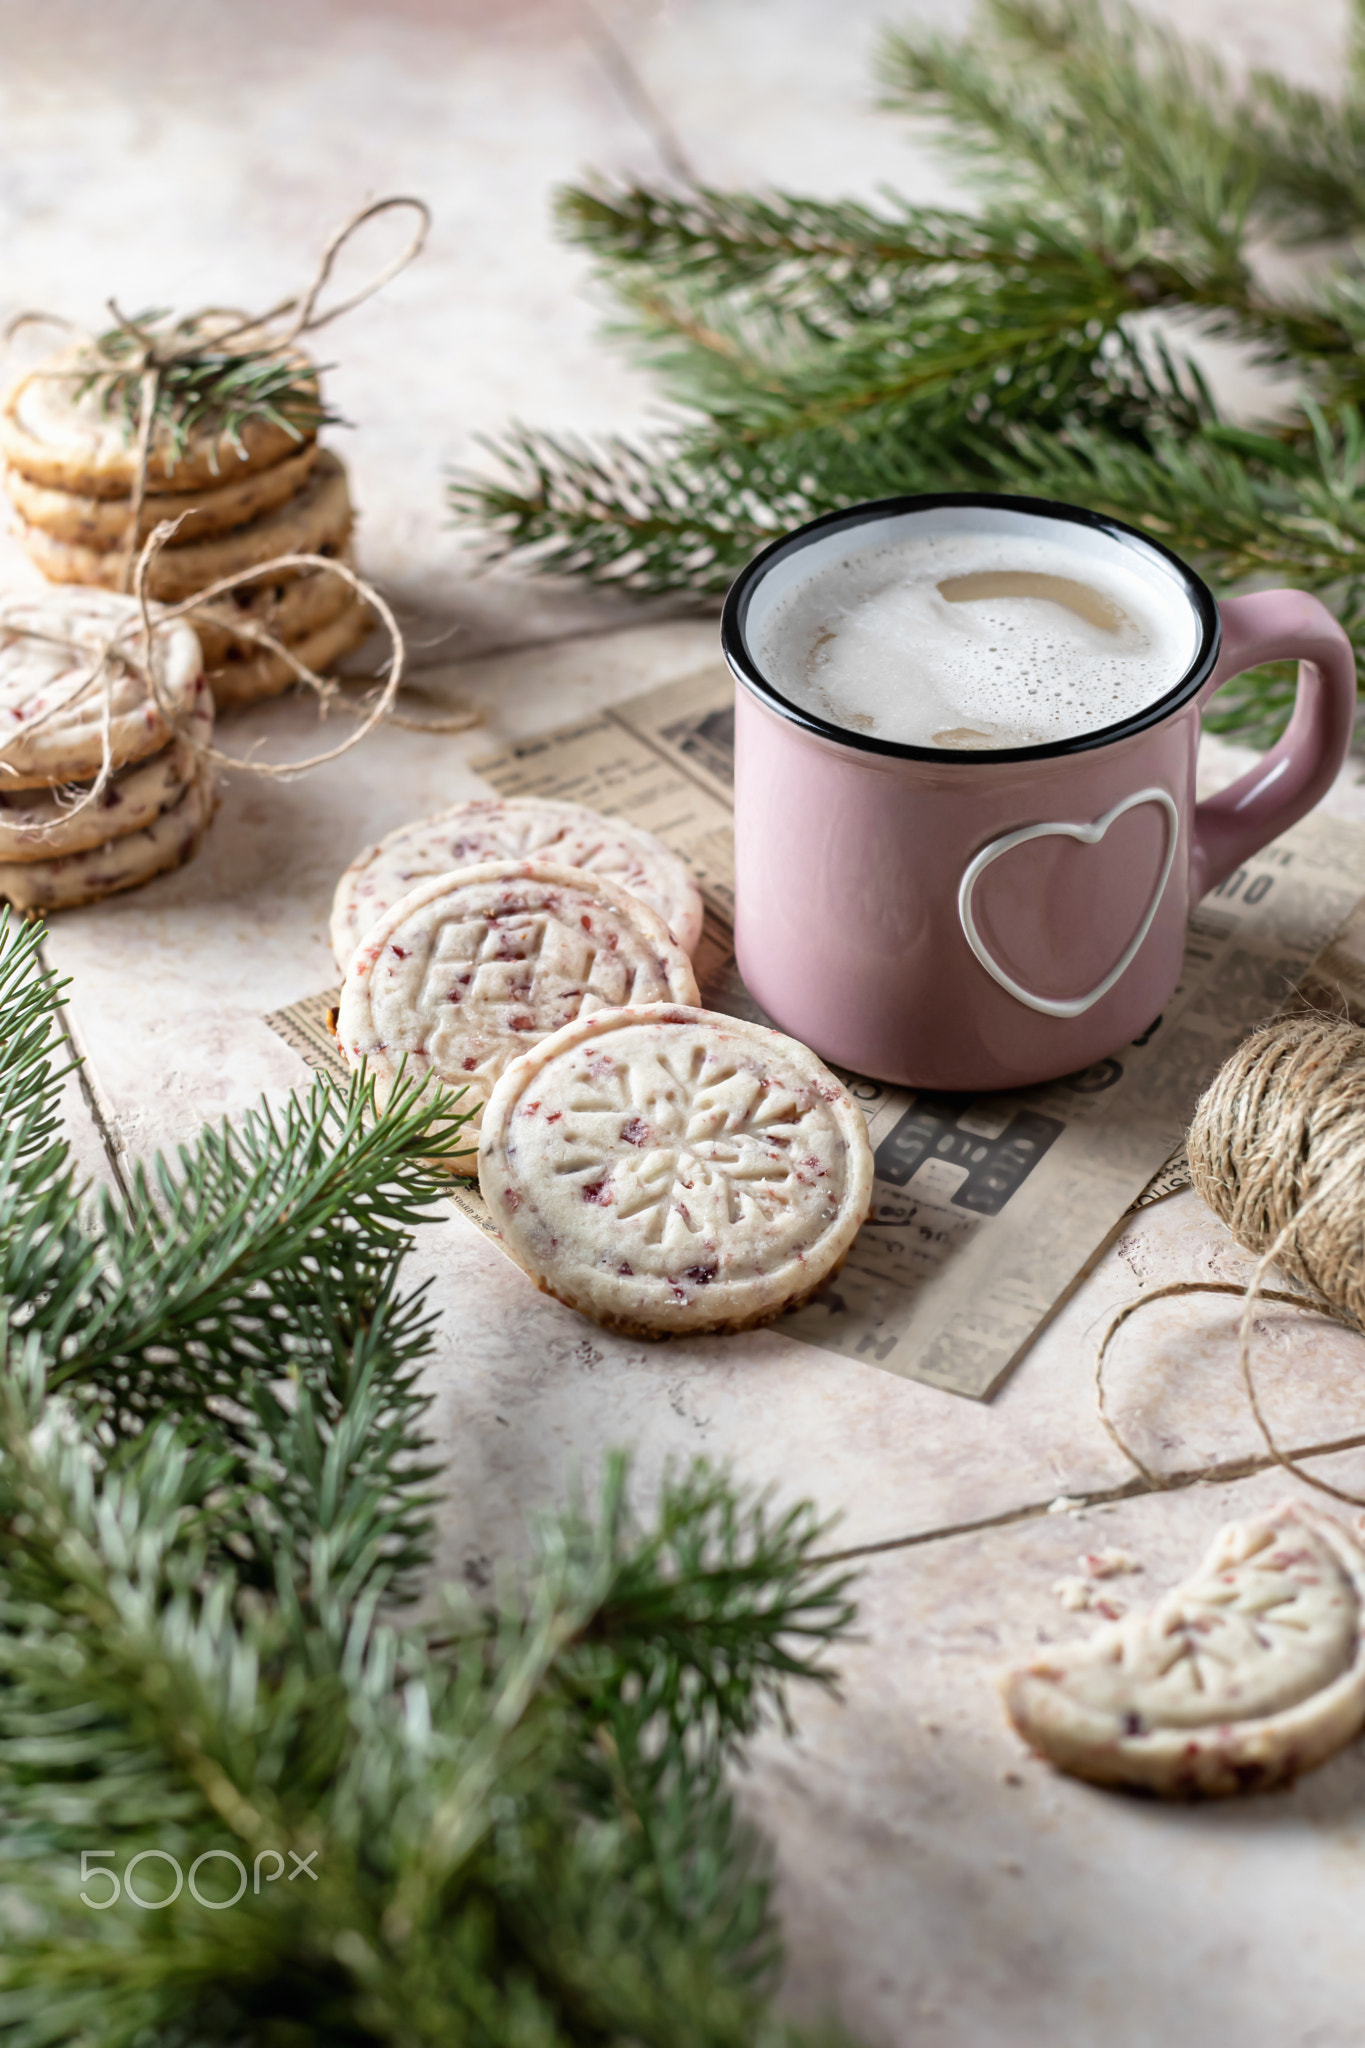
105	776
207	426
105	714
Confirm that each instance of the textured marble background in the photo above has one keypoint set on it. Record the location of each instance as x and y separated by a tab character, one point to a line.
939	1888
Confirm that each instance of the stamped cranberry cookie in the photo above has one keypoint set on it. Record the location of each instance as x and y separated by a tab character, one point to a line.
44	824
514	828
469	969
667	1170
168	842
52	694
1250	1672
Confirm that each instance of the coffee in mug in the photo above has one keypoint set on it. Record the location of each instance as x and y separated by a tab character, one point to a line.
968	640
967	838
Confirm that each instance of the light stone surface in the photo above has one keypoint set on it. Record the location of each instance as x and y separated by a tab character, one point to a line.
180	153
942	1888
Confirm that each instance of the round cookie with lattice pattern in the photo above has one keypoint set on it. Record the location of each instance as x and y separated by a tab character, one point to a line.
1249	1673
669	1170
469	969
514	828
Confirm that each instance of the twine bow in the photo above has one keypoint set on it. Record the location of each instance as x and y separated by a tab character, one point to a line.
134	352
148	354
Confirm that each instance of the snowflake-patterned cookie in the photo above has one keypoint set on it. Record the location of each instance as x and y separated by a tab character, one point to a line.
1250	1672
469	969
674	1170
514	828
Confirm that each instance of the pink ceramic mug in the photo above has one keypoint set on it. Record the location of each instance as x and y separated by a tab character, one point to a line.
971	921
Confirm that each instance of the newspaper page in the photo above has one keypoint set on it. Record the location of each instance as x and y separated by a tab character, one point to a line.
987	1210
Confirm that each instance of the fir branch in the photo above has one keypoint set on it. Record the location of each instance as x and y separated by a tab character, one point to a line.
819	352
847	284
644	517
686	511
1008	353
1127	130
706	1613
269	1202
45	1259
1310	158
827	258
1247	504
1099	86
515	1820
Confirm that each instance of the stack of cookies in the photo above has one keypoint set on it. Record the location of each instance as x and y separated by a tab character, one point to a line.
103	779
246	485
660	1168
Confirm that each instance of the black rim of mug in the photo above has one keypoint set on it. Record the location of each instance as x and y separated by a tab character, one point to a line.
734	644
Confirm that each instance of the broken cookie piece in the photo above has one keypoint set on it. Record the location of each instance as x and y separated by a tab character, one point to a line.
1249	1673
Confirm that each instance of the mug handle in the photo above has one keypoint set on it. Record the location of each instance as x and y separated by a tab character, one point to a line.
1277	625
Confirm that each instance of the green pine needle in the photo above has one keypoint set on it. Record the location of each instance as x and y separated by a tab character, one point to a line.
505	1824
206	386
820	352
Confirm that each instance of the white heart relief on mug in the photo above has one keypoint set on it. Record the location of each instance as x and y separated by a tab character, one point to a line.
1089	835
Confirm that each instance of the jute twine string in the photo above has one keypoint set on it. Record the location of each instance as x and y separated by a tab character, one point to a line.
1277	1150
130	646
147	354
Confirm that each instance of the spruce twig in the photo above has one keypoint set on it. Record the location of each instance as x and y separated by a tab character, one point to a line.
818	352
205	384
507	1822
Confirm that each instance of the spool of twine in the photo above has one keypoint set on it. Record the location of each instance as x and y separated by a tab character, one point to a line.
1277	1150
